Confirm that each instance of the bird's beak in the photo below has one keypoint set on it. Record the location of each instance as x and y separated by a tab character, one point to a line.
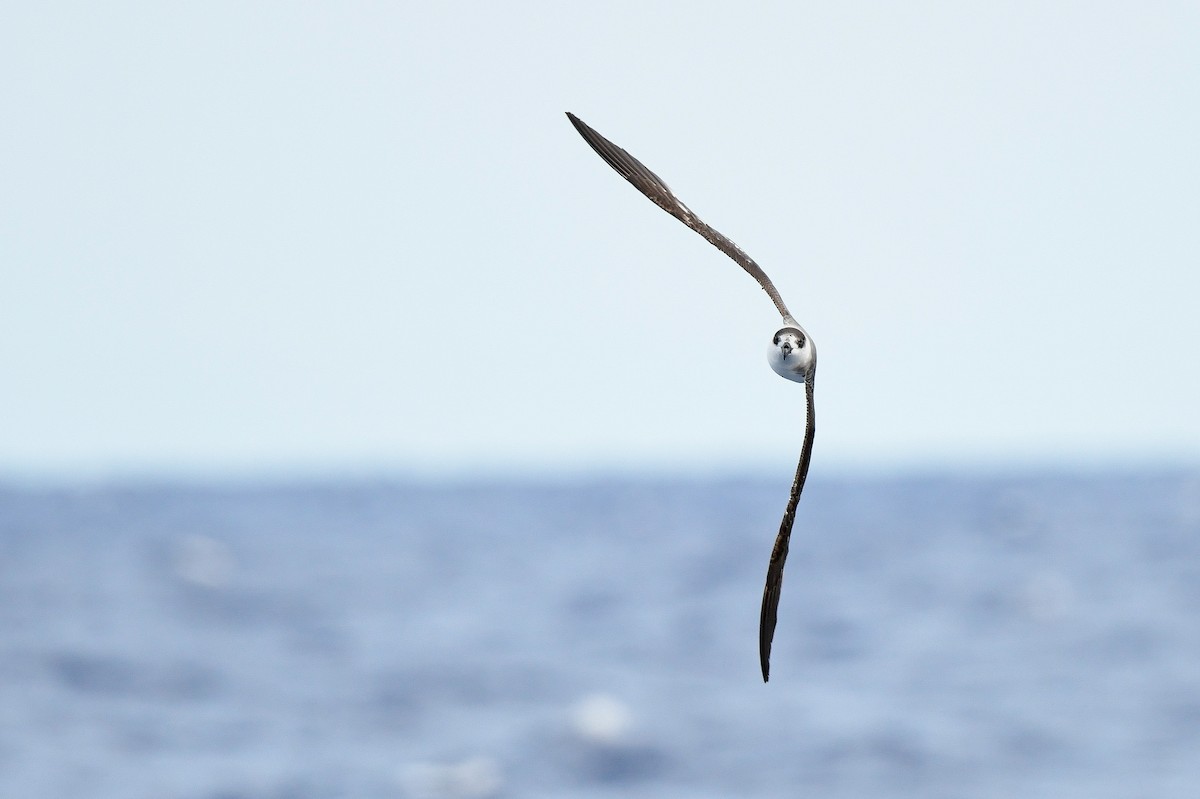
787	349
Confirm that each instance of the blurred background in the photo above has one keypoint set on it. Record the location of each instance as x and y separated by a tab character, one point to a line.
363	434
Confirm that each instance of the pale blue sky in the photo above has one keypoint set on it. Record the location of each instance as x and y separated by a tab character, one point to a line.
275	238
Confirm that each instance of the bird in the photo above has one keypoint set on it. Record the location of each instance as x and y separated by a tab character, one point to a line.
791	354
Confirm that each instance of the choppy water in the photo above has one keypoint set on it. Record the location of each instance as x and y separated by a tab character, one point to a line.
938	637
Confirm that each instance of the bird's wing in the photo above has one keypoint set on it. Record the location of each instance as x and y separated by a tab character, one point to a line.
661	195
770	603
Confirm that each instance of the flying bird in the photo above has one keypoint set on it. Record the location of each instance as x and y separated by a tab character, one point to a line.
792	354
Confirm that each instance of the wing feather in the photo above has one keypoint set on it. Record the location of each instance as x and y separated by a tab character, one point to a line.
770	603
661	195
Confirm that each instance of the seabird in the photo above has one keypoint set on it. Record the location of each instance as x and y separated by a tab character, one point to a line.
792	354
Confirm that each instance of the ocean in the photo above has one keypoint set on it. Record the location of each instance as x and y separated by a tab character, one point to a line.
939	636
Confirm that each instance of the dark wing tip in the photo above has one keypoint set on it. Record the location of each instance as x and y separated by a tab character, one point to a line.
580	125
582	128
633	170
766	630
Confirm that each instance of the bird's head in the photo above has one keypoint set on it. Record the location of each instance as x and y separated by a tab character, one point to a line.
792	353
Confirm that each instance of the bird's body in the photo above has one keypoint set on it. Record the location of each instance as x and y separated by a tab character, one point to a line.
791	354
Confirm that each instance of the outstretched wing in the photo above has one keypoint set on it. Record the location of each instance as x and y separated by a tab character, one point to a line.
770	603
661	195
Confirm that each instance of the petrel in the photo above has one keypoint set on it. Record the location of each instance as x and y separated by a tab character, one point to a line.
792	354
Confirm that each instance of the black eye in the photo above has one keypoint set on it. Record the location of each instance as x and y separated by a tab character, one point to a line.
799	341
776	339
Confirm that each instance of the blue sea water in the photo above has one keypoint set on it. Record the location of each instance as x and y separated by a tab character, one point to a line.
939	636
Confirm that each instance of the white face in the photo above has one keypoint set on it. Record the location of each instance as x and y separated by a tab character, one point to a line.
792	353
